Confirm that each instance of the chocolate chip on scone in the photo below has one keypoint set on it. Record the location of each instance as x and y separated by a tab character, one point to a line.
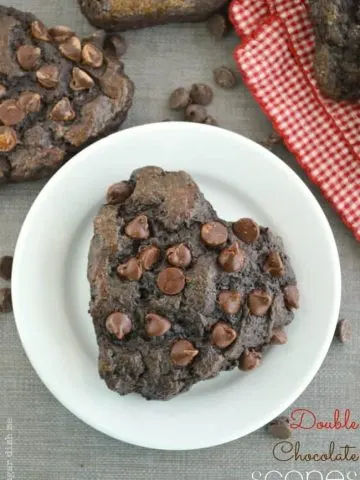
53	82
178	294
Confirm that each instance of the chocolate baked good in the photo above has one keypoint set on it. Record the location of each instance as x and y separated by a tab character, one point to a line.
178	294
58	94
337	56
127	14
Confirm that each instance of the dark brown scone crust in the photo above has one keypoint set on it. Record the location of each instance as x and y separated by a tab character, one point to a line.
127	14
176	211
35	139
337	56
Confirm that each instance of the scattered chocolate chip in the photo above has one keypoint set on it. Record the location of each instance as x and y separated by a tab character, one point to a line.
179	255
179	99
183	353
217	26
138	228
61	33
224	77
201	94
80	80
8	139
259	302
280	428
232	258
111	82
229	301
343	331
291	296
149	256
97	38
209	120
28	56
171	281
155	325
30	102
118	193
131	270
249	360
118	324
71	48
48	76
6	267
5	300
278	337
92	55
274	265
11	112
247	230
214	234
223	335
62	111
195	113
272	140
115	45
39	31
3	90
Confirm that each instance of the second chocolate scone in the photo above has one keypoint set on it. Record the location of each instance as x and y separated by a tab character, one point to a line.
178	294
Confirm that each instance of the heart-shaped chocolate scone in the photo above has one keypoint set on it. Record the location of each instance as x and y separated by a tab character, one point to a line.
178	294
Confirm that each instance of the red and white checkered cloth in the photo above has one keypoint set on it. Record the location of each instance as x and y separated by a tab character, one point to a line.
275	59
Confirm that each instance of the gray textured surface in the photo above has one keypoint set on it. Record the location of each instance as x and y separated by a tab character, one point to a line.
48	441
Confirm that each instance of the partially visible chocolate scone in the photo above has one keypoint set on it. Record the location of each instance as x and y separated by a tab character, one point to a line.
178	294
57	95
127	14
337	56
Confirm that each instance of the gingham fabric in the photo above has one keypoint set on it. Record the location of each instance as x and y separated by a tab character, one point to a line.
275	59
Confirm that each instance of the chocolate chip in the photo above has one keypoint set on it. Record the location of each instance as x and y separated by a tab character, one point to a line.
232	258
71	48
171	281
80	80
138	228
28	56
60	33
118	193
179	255
224	77
179	99
30	102
249	360
92	56
229	301
155	325
291	296
97	38
214	234
5	300
195	113
149	256
3	90
48	76
209	120
217	26
259	302
8	139
118	324
183	353
274	265
247	230
62	111
6	267
278	337
11	112
115	45
343	331
39	31
112	82
130	270
272	140
223	335
280	428
201	94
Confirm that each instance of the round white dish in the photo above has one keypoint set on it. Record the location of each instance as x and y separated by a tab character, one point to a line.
51	293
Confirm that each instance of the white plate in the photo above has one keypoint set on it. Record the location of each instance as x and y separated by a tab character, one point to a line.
51	293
